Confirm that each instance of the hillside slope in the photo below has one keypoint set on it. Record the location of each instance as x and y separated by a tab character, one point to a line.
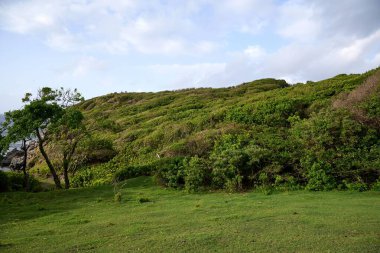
243	135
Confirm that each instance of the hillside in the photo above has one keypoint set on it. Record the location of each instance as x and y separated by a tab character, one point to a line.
261	132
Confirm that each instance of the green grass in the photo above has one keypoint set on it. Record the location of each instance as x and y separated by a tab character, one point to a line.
153	219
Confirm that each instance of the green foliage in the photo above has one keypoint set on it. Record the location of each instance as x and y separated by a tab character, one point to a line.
51	117
319	178
170	172
263	134
273	112
99	174
372	105
196	173
96	150
13	181
131	172
336	146
355	186
110	125
230	162
4	183
376	185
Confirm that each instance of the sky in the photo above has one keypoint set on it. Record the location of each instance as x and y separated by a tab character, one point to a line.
105	46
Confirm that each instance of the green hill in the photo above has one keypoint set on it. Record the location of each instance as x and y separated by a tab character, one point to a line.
265	132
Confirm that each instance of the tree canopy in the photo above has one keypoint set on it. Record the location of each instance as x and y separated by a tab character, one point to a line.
49	116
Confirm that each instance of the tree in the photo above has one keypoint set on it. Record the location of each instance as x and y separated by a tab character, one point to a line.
18	127
49	117
66	134
2	148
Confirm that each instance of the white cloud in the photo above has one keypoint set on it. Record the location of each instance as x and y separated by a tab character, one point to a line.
206	46
88	64
299	21
202	42
187	75
255	52
83	67
28	17
110	26
359	47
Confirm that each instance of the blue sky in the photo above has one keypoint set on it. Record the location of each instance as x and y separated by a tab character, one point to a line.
104	46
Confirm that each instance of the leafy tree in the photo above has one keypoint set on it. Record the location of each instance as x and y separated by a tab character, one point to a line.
19	128
66	133
49	118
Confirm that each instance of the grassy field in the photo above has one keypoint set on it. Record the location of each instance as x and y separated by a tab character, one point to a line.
153	219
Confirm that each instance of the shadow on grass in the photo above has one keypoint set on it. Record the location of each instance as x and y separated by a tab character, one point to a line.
22	206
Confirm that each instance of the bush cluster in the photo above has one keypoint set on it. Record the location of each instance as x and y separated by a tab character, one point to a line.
14	181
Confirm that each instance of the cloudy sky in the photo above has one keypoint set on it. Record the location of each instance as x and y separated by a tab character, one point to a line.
104	46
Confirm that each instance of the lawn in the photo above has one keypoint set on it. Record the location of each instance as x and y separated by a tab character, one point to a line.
153	219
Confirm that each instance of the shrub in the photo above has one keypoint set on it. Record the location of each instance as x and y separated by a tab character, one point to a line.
34	184
97	150
234	184
4	183
376	186
286	182
335	139
231	162
82	178
196	173
13	181
16	181
170	172
355	186
273	112
319	179
100	181
99	174
132	171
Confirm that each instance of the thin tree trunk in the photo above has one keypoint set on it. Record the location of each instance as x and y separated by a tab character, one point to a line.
24	161
65	173
66	164
48	162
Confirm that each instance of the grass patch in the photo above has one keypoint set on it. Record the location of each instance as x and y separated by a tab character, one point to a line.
76	221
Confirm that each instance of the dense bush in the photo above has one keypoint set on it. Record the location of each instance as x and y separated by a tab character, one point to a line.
274	112
376	185
197	173
132	171
4	185
336	147
319	178
14	181
170	172
95	150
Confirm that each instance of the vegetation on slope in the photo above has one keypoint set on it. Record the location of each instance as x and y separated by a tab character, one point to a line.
257	134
